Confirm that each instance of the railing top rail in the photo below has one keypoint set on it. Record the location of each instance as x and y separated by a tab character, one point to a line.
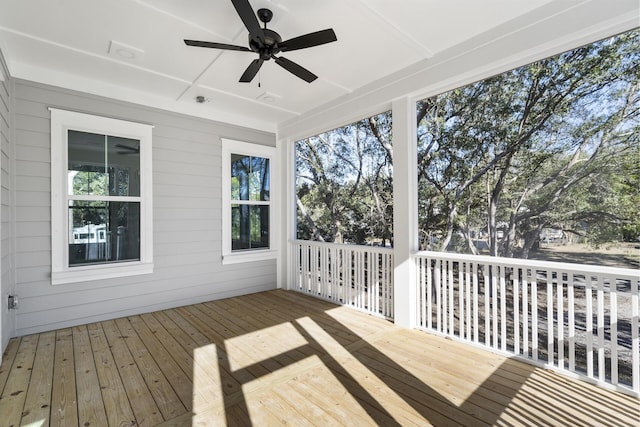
551	265
363	248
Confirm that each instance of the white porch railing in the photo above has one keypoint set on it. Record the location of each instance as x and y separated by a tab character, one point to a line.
571	317
357	276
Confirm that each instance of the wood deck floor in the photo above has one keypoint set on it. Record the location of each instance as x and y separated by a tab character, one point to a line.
281	358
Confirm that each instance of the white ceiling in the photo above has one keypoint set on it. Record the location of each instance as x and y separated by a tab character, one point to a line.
67	43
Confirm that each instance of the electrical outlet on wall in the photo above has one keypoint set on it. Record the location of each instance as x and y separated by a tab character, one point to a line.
13	302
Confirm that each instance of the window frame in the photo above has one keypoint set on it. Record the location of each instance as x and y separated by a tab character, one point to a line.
230	147
61	122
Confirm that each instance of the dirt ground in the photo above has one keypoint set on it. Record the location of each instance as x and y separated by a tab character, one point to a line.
622	255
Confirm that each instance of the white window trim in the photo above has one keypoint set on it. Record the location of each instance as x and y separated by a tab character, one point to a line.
61	122
230	147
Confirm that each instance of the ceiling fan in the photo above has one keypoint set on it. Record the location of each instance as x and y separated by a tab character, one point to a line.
128	150
267	43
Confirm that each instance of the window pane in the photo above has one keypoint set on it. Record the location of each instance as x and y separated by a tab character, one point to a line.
249	178
102	165
249	227
101	232
259	181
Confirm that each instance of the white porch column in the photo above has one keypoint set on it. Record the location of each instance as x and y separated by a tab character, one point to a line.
287	219
405	201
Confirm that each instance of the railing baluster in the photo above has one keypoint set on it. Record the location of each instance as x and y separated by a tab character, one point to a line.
475	302
516	309
503	310
438	272
467	274
572	322
600	306
429	286
461	291
550	346
445	300
589	306
306	256
613	323
525	312
635	332
487	306
451	306
534	314
494	302
560	316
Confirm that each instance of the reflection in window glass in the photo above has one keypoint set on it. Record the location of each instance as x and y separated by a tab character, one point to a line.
102	232
249	178
103	165
249	226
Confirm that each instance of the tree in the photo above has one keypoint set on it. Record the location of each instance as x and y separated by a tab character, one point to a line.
344	183
505	157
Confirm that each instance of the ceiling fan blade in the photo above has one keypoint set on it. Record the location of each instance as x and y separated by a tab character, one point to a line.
251	71
127	147
249	19
308	40
213	45
296	69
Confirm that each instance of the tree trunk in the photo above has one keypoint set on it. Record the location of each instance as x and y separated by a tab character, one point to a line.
451	216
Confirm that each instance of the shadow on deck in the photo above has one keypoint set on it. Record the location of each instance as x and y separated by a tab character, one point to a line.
279	357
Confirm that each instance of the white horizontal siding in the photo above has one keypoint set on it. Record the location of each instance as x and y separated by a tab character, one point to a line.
7	277
187	217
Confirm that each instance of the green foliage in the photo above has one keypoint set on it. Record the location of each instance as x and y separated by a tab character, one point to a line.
550	145
344	183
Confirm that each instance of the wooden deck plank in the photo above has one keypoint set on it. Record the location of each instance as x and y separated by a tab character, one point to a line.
116	403
91	410
235	327
37	406
64	403
165	397
144	407
313	386
8	358
268	333
237	357
180	381
200	365
15	390
276	324
350	328
208	381
450	361
231	380
282	358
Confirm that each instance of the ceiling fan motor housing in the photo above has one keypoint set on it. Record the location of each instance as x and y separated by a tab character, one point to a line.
270	45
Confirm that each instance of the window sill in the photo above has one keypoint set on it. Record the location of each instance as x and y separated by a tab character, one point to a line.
250	256
100	272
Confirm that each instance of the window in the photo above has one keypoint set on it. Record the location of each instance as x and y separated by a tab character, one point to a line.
101	201
248	209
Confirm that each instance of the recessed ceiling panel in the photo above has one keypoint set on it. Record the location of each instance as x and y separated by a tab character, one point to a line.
439	25
91	26
61	64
